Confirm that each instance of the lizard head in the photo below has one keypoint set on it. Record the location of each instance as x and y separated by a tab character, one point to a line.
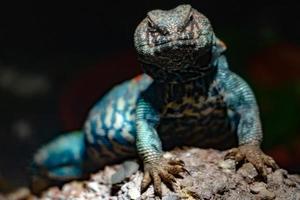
175	45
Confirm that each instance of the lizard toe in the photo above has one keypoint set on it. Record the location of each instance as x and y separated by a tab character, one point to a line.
270	162
146	181
231	153
156	182
176	161
176	169
254	155
164	171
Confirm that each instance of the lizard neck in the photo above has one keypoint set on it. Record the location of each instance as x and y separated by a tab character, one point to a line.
176	92
202	68
168	91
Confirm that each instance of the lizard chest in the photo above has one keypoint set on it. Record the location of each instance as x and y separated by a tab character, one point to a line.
198	120
191	113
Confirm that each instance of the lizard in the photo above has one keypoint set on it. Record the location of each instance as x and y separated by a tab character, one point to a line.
187	96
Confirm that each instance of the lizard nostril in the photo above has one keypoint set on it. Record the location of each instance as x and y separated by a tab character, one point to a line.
191	18
165	32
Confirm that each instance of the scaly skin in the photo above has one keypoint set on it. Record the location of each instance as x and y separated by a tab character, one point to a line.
188	97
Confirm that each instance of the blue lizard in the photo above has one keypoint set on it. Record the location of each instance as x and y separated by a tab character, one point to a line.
187	96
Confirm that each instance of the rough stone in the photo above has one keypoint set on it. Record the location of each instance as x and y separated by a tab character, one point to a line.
210	178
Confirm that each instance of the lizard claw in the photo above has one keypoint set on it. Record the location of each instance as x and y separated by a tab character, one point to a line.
164	171
146	181
254	155
175	161
185	170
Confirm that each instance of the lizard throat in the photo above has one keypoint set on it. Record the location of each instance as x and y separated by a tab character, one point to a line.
178	72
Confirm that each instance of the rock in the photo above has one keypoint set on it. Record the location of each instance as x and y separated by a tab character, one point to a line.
248	172
277	177
94	186
126	169
134	193
20	193
289	182
171	197
266	195
227	165
211	178
260	189
257	187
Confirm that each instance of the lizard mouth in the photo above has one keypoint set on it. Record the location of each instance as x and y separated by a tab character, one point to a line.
185	43
180	49
165	42
174	52
175	43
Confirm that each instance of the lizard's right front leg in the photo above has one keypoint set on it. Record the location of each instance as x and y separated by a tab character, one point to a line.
156	168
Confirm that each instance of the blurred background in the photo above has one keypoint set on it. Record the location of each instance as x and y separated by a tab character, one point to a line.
56	60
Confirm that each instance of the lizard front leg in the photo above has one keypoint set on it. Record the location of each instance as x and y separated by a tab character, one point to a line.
156	167
250	137
240	99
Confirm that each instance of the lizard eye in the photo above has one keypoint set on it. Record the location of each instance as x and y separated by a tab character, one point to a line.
150	24
188	23
151	27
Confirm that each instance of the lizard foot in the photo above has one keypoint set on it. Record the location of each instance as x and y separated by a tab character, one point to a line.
254	155
161	170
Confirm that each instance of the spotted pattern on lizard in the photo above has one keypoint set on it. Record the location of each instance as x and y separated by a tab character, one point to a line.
187	96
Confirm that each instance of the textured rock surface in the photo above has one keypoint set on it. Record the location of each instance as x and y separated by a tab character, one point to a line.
210	178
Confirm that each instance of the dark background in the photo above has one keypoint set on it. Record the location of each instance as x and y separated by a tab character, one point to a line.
57	59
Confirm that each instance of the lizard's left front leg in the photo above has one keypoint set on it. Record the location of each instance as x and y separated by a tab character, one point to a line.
156	168
240	99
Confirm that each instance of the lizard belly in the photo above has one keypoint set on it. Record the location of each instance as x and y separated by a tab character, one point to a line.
207	126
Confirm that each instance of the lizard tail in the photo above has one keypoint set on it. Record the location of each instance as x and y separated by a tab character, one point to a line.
62	158
59	161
